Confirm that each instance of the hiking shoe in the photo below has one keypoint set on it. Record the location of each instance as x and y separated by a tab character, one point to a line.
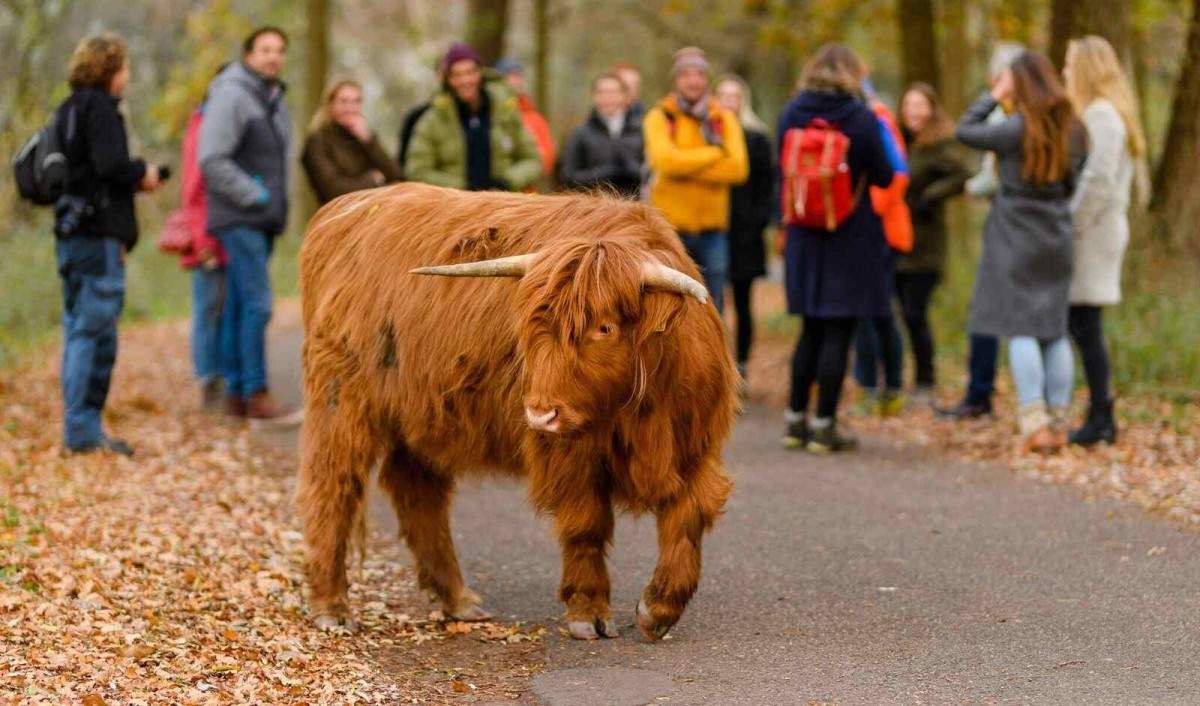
235	407
890	404
264	412
866	404
829	440
965	410
796	435
116	446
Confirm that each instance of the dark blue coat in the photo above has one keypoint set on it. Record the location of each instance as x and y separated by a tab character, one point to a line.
845	273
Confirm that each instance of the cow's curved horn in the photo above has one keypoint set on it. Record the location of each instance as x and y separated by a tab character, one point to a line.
655	274
513	266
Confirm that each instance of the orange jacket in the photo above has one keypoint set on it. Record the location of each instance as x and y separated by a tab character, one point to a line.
889	201
537	126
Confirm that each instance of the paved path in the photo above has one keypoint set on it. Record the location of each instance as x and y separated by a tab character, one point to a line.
883	577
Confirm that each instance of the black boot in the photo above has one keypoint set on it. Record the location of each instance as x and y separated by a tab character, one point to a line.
966	409
1100	426
829	439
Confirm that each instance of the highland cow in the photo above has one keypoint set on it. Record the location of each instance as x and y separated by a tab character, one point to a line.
580	354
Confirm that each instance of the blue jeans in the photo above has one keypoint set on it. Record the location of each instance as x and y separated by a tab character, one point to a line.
93	286
247	310
208	299
709	249
1042	370
982	360
875	339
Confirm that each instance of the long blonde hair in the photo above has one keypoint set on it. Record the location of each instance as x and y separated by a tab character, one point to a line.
747	117
1096	73
323	117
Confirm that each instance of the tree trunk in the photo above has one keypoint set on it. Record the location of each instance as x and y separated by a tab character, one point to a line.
1071	19
487	21
541	54
1176	190
956	58
918	42
316	57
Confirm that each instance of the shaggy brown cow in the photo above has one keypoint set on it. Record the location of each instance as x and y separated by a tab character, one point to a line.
595	370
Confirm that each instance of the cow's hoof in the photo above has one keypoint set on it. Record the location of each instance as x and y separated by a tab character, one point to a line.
334	623
471	613
583	630
652	630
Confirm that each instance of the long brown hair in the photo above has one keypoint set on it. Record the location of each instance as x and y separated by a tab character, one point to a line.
1039	97
835	67
96	59
939	127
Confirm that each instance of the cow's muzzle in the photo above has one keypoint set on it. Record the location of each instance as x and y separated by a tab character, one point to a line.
543	420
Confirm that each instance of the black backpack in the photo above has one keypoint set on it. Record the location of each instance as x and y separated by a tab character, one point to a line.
41	166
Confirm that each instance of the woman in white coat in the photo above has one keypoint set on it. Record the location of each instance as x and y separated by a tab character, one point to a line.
1102	96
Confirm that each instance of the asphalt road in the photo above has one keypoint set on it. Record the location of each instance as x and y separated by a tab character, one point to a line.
887	576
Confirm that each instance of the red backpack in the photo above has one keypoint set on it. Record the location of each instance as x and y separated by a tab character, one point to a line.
817	189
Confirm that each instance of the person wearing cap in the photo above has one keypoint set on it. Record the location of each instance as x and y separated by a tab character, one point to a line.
472	136
696	152
514	75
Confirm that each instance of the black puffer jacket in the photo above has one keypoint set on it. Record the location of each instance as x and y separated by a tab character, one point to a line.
752	207
593	158
101	168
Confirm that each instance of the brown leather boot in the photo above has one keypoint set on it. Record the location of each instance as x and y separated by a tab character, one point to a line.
264	411
235	407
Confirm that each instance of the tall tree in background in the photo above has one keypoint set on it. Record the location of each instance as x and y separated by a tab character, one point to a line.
541	53
316	56
1176	189
487	21
1075	18
918	42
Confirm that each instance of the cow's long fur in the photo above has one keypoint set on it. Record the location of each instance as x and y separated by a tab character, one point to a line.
431	376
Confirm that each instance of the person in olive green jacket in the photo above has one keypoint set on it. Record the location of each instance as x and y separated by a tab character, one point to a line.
341	153
935	175
472	137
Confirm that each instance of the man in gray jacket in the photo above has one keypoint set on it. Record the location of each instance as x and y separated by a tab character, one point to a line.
243	155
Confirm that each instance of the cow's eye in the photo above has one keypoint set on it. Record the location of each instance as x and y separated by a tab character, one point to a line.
605	330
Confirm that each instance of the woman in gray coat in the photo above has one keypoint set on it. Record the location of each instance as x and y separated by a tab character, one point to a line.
1025	272
1102	95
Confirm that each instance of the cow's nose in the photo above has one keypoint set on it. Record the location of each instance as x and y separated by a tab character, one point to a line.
542	419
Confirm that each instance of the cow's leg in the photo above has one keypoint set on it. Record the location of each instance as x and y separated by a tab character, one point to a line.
585	526
421	496
682	522
337	457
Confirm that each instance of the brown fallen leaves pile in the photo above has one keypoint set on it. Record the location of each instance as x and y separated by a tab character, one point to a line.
176	576
1156	462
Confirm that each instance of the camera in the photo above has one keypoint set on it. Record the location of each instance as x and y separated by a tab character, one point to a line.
69	212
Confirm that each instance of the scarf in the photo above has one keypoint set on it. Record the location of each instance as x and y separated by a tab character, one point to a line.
700	111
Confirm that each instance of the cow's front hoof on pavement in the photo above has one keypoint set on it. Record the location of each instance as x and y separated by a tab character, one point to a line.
469	609
336	623
583	630
653	628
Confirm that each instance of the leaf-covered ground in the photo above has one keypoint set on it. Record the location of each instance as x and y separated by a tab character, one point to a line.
175	577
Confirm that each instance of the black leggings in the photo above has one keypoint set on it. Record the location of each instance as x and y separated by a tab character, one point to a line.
915	290
745	320
1087	328
821	356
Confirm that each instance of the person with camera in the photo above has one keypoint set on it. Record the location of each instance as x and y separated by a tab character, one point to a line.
96	228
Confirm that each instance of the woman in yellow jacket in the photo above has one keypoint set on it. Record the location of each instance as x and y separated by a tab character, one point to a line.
696	151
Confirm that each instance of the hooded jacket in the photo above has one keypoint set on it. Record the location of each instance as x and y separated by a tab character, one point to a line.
691	178
244	142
